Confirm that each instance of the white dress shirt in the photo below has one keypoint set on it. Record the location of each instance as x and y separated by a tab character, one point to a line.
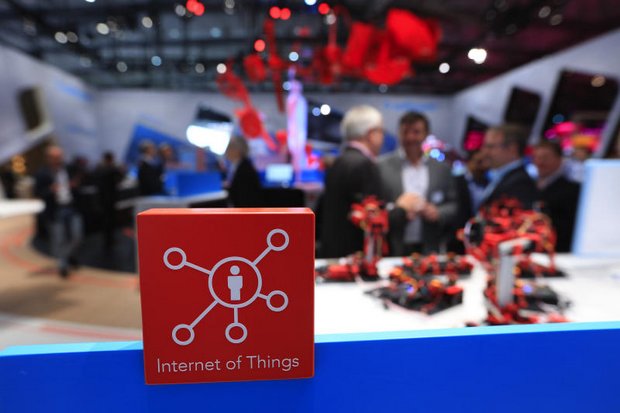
415	180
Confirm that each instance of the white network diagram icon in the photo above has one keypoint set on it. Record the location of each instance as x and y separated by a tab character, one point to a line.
235	283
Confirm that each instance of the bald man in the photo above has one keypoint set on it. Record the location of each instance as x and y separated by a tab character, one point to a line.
352	177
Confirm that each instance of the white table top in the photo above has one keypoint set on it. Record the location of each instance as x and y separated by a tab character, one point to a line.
592	286
14	207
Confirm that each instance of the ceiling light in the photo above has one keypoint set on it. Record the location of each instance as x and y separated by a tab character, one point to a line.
221	68
478	55
544	12
195	7
275	12
180	10
316	111
310	2
285	13
259	45
324	8
121	67
330	19
444	68
325	109
156	61
60	37
598	81
199	9
286	85
147	22
293	56
229	4
90	1
103	29
199	68
72	37
556	19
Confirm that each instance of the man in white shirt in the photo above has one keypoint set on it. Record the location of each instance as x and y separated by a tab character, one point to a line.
420	192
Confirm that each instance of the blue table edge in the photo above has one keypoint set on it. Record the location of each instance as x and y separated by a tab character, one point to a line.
335	338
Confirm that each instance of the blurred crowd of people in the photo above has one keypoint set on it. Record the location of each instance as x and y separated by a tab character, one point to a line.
426	202
65	190
79	199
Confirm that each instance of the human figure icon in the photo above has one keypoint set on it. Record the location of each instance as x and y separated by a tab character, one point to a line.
235	283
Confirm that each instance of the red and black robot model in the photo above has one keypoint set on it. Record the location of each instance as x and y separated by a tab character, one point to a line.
502	237
505	220
370	215
450	264
531	304
419	291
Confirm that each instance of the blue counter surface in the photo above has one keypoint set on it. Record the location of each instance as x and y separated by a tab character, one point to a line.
571	367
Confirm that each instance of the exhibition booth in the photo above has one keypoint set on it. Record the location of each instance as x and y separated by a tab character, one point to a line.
236	305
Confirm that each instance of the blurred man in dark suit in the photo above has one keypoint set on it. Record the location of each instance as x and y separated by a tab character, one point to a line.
243	182
470	186
57	188
422	191
504	147
559	196
108	176
150	170
353	176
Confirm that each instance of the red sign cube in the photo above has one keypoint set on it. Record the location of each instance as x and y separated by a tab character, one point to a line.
227	294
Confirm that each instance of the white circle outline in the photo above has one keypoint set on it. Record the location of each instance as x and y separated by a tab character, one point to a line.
245	303
237	340
183	258
184	327
283	306
274	232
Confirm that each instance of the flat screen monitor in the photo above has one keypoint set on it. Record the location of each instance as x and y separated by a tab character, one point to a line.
597	230
474	134
281	174
579	109
522	107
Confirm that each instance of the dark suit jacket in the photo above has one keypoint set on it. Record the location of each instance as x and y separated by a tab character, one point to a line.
44	179
515	184
559	202
441	192
245	189
352	177
150	178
